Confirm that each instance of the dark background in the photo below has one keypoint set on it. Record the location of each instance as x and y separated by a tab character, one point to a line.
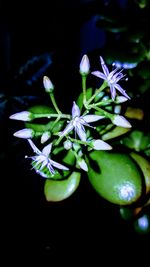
52	36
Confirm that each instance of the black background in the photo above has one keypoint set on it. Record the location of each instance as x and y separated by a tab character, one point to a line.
83	226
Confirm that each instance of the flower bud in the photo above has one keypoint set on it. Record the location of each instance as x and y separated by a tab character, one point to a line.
67	144
84	65
121	121
22	116
24	133
45	136
100	145
82	164
49	87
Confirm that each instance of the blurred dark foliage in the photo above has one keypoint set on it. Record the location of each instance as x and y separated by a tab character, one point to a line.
49	38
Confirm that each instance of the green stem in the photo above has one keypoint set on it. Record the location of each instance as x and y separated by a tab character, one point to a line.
102	112
79	141
54	103
84	88
103	86
49	115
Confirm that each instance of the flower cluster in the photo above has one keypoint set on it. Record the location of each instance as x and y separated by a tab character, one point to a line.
71	135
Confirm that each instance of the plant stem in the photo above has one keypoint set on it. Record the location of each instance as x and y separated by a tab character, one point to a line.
103	86
49	115
54	103
84	88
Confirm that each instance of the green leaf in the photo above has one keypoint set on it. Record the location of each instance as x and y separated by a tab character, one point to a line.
115	176
60	190
79	101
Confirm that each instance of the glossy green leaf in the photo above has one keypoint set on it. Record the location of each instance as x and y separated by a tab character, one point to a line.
60	190
115	177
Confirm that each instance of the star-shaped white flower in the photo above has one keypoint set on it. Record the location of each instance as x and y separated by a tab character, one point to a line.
77	123
42	157
112	78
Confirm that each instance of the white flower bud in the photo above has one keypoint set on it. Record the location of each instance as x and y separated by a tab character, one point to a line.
82	164
67	144
45	136
49	87
24	133
100	145
121	121
84	65
22	116
121	99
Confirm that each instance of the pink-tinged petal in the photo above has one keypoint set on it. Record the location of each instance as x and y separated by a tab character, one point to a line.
58	165
120	89
113	91
99	74
81	131
104	67
92	118
75	110
35	149
67	130
47	149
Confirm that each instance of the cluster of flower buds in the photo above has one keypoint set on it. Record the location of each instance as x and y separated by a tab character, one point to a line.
73	133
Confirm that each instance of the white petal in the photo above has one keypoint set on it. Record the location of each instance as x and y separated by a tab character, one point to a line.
120	89
99	74
91	118
67	130
58	165
113	92
47	149
45	136
75	110
101	145
104	67
81	131
35	149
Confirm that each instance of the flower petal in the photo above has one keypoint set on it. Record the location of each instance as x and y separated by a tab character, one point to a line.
91	118
104	67
35	149
75	110
99	74
81	131
47	149
67	130
58	165
120	89
113	92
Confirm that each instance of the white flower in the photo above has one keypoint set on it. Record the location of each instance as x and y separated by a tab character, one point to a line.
78	121
112	78
42	157
22	116
84	65
24	133
49	87
121	121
